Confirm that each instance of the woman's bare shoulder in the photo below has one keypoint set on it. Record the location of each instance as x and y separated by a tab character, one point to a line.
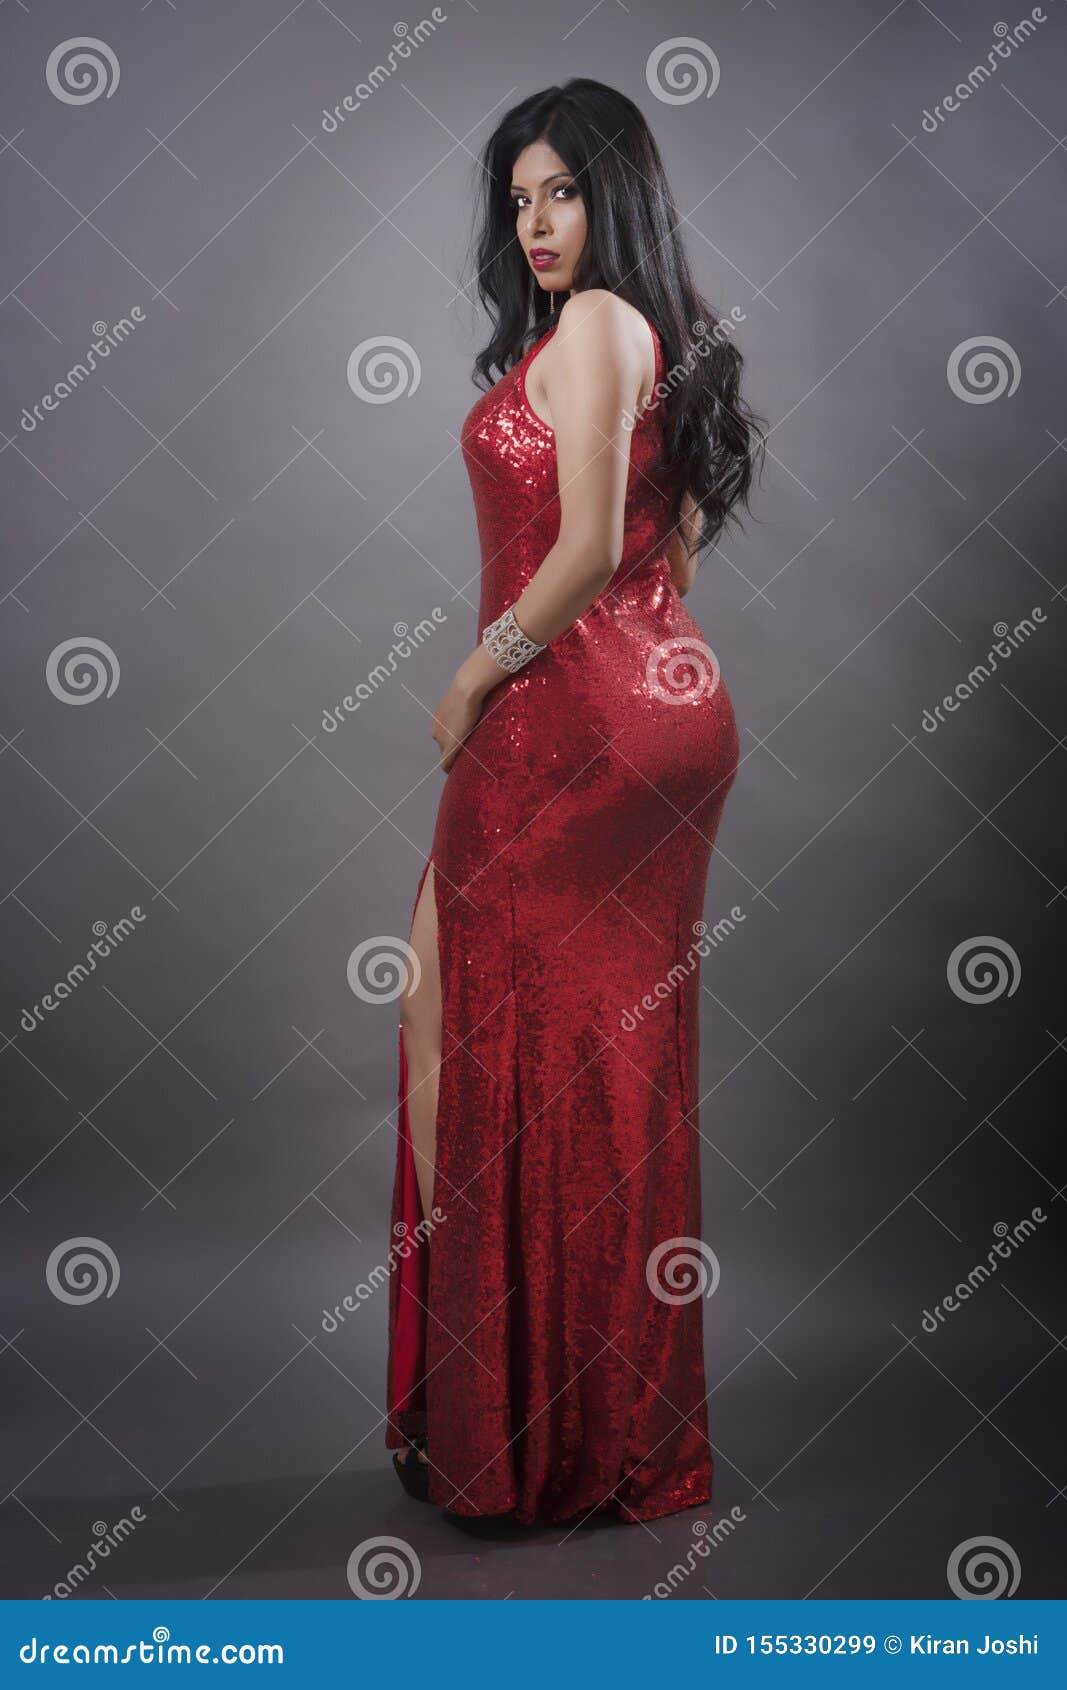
596	329
596	315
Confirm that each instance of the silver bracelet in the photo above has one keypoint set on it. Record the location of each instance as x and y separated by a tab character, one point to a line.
507	644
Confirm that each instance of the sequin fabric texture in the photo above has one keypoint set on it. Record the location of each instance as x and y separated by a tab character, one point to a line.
540	1337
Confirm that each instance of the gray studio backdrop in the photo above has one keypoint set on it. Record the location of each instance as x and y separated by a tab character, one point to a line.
226	523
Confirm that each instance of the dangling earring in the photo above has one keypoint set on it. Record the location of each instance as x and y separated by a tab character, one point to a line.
552	305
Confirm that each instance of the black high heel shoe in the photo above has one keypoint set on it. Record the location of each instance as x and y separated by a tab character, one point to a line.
412	1471
502	1528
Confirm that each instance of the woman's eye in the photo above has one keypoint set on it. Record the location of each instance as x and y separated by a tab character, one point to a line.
567	189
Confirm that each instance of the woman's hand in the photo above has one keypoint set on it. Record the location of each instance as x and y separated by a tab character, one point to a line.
455	716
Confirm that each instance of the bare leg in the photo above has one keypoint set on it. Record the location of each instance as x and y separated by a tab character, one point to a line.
420	1011
420	1014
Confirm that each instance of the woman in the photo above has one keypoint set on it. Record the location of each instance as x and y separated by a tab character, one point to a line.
544	1363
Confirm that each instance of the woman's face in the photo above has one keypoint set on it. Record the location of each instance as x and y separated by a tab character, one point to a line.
550	217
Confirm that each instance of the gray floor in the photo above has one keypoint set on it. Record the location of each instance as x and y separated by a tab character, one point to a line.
870	1474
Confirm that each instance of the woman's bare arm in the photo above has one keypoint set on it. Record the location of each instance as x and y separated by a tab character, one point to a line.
690	524
593	373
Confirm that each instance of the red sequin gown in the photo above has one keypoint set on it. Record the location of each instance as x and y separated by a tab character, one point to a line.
541	1337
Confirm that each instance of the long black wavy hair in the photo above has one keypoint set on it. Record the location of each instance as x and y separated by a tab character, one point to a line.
713	442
